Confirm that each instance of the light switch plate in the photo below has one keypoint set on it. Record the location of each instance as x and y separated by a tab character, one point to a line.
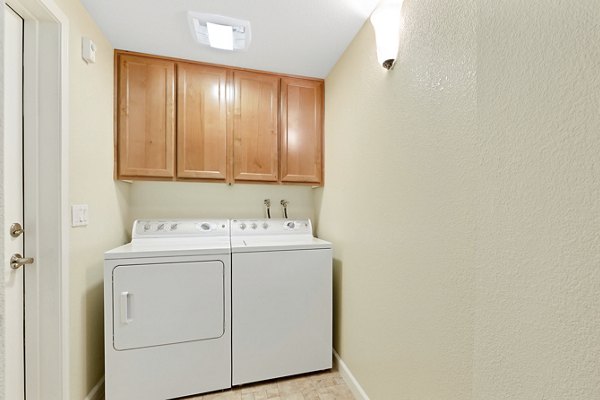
79	214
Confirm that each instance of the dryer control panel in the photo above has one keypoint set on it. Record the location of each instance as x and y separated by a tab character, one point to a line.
179	228
255	227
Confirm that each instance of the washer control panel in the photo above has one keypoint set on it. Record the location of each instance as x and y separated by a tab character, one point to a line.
179	227
245	227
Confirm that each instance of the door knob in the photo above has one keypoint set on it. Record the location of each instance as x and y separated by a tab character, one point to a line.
17	260
16	230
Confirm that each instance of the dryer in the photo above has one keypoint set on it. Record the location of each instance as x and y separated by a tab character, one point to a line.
167	313
281	300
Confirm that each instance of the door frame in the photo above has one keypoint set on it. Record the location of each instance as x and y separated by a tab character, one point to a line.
46	154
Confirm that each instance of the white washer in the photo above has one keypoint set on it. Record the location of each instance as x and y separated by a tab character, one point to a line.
281	300
167	311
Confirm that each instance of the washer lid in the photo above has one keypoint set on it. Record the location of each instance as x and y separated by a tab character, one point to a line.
255	235
251	244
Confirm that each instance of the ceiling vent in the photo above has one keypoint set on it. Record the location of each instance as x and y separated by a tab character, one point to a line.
220	32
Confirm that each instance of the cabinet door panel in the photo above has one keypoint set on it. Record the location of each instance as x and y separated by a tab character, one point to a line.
301	130
201	122
255	127
146	117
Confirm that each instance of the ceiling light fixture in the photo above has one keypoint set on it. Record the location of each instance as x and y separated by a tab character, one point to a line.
386	24
220	32
220	36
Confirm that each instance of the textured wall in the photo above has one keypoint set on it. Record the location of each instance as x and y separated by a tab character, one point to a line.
399	208
538	250
477	274
217	200
91	182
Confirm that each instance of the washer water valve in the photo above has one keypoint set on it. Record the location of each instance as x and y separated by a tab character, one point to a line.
267	203
284	204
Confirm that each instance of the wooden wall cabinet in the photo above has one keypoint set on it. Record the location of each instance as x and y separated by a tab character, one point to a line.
201	122
301	130
146	117
182	120
255	127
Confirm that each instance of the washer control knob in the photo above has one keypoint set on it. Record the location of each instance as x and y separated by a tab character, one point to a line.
205	226
173	227
146	227
254	225
291	224
242	226
265	225
160	227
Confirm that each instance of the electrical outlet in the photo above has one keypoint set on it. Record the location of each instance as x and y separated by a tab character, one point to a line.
79	214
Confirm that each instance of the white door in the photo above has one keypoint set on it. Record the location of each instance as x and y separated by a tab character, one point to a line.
13	201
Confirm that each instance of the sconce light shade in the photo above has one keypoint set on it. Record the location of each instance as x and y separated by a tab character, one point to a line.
386	24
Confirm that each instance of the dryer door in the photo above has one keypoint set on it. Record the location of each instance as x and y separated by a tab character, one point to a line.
158	304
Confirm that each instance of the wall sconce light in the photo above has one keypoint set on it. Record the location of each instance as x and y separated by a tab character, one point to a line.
386	24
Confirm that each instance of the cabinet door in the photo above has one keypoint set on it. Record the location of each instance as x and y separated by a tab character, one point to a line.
255	127
201	122
301	130
146	117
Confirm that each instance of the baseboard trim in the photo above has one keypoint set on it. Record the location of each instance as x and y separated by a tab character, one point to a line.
97	392
350	380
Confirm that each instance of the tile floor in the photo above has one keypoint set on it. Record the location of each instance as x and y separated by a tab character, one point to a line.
326	385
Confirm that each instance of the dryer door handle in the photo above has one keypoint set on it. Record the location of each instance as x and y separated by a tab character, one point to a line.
126	307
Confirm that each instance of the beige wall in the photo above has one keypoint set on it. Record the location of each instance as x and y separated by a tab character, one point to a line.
91	182
398	205
462	198
479	273
217	200
538	250
113	205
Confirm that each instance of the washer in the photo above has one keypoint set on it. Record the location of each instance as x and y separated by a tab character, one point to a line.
167	312
281	300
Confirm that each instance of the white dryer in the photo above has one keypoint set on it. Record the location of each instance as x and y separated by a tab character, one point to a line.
281	300
168	310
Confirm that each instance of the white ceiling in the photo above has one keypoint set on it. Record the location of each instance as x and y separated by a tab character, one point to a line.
299	37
